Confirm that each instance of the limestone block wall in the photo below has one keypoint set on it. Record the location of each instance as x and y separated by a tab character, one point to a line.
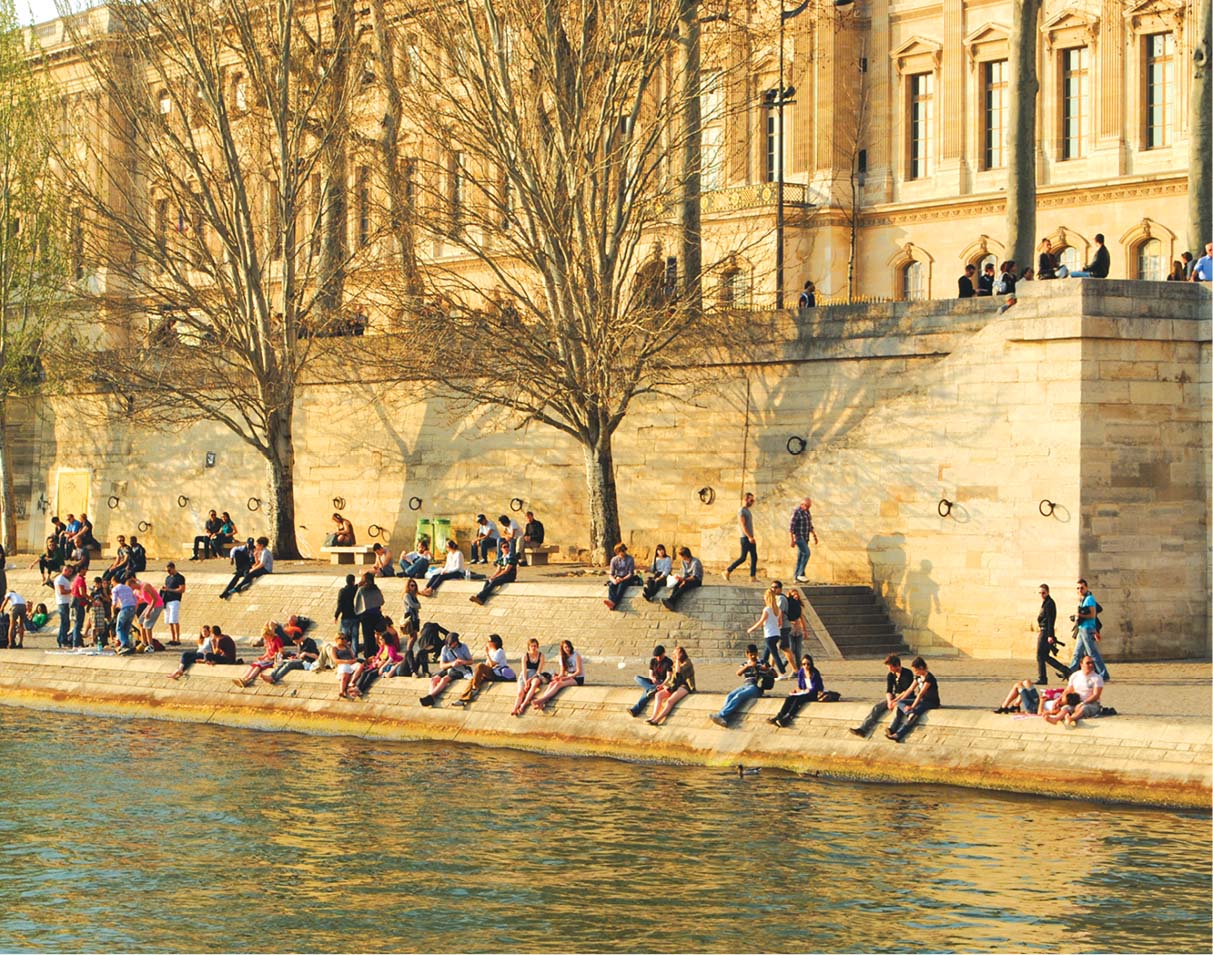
1094	396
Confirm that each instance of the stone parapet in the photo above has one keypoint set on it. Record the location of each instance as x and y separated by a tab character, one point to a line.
1138	760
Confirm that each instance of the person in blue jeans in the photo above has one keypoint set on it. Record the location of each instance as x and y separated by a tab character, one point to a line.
800	529
925	697
1086	637
124	602
660	667
758	678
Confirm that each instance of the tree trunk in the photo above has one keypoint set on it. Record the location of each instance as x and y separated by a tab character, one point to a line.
333	248
691	172
8	511
1200	143
604	500
1021	148
281	457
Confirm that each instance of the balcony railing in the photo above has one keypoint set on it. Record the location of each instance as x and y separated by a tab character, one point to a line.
759	195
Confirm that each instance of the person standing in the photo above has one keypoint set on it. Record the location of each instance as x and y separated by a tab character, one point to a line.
965	283
368	605
745	523
79	607
1046	639
63	599
807	300
1046	263
174	588
345	616
123	600
1202	271
800	529
1086	631
985	281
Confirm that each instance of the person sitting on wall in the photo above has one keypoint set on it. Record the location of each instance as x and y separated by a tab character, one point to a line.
495	669
198	654
531	678
486	540
84	533
532	535
452	570
808	688
899	683
757	679
926	697
120	566
1046	263
572	673
456	659
660	667
679	683
506	573
416	562
50	562
689	576
263	563
658	573
264	664
383	561
241	558
621	576
1082	695
343	535
385	660
343	662
206	540
302	657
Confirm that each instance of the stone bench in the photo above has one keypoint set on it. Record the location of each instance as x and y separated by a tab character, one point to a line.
188	548
353	554
537	556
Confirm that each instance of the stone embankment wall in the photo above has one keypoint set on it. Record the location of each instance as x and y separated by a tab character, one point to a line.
1094	396
1138	760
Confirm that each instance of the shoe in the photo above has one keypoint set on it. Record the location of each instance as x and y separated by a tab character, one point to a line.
635	715
668	605
476	599
780	723
753	580
802	580
652	722
427	700
773	720
726	574
889	734
718	720
458	703
609	605
856	731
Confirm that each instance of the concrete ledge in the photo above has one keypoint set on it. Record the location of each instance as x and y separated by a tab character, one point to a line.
1137	760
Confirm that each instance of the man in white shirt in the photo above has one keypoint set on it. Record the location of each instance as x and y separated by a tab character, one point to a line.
123	599
63	598
486	540
494	669
1082	695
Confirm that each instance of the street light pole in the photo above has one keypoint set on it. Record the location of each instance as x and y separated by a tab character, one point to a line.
779	169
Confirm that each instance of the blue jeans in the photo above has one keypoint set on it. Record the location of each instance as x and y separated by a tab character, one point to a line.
615	592
65	622
285	667
750	550
1085	645
78	611
772	650
737	699
802	556
122	625
648	686
416	569
482	548
905	717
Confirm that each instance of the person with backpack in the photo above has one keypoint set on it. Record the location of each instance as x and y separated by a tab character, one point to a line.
758	677
1086	631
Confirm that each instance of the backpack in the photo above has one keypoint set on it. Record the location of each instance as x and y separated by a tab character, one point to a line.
829	696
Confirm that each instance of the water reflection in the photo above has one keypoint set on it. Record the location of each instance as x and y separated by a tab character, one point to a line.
147	836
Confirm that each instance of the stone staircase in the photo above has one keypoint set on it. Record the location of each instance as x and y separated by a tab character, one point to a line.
856	620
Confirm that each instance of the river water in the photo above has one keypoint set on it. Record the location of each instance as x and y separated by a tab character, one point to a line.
143	836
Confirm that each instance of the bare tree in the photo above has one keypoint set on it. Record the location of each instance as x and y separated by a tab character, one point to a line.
33	264
217	158
1200	145
555	168
1021	145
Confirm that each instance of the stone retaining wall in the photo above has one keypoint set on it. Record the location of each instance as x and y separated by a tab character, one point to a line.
1138	760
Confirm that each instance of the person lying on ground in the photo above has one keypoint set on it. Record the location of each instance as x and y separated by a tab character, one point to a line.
531	678
494	669
452	570
572	673
808	687
678	684
269	659
1023	697
456	661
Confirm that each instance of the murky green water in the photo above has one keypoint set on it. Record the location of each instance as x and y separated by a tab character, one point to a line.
147	836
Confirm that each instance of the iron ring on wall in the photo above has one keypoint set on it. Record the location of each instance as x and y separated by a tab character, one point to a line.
707	495
944	507
112	502
414	503
1046	507
144	527
339	503
182	500
516	503
254	504
796	444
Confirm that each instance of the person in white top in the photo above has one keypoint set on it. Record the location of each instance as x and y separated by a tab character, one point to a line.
572	673
14	605
494	669
63	598
451	570
1082	695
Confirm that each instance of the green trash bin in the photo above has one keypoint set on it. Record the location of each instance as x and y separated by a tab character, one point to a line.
425	529
442	533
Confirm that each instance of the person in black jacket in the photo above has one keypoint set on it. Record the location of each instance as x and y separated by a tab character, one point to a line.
965	283
1099	266
242	561
1046	642
345	616
897	684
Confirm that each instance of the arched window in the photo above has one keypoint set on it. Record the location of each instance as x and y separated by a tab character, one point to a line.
1150	261
913	282
1068	256
988	259
735	289
165	103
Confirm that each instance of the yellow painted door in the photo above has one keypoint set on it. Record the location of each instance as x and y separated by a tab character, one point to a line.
71	495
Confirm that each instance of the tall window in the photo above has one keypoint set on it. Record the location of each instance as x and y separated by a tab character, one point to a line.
1068	256
735	289
994	106
914	282
1149	261
315	214
711	110
922	110
772	144
1075	100
455	187
1160	89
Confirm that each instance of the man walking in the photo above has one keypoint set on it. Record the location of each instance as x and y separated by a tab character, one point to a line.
1086	635
800	530
174	588
1046	640
745	523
